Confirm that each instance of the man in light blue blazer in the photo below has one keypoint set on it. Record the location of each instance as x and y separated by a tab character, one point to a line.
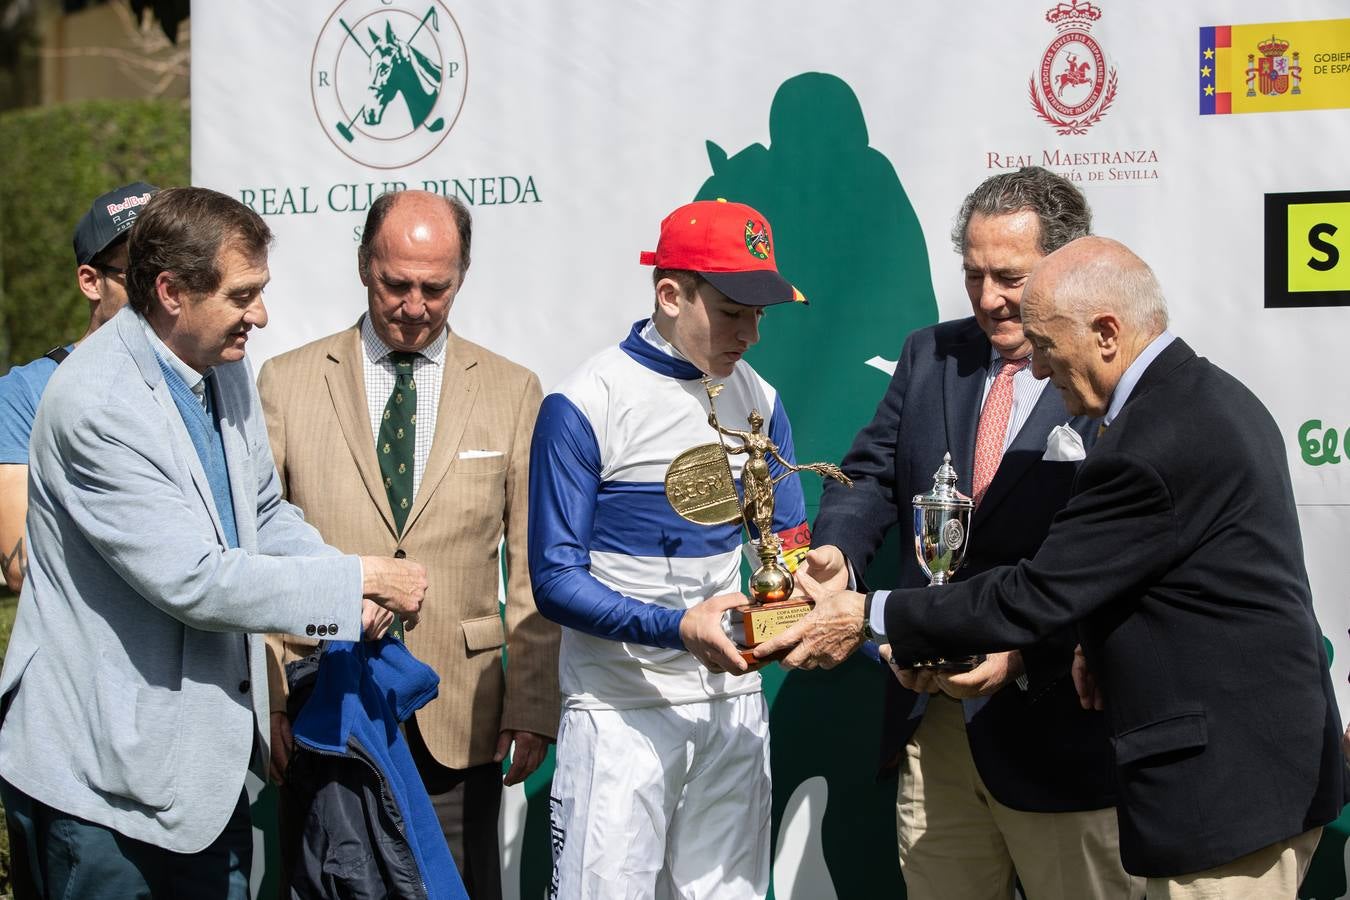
160	551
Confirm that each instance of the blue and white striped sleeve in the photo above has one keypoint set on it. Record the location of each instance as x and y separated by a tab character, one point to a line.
564	484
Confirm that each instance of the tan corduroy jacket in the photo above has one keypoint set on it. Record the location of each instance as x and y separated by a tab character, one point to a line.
318	421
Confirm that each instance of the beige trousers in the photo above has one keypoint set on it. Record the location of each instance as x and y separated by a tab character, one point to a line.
957	841
1271	873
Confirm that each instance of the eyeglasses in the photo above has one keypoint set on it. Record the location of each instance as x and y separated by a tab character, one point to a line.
112	271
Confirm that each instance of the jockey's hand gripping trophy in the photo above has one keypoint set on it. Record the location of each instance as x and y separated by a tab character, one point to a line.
701	488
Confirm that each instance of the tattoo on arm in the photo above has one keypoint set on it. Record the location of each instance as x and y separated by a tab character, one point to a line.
15	556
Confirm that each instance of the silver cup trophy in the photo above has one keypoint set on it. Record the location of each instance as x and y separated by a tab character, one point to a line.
941	534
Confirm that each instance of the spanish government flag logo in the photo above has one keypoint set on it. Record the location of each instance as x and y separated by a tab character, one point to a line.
1274	67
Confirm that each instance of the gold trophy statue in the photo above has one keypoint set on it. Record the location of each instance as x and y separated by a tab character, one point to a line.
701	488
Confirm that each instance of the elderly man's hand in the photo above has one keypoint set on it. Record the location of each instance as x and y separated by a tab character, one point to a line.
399	585
920	681
375	620
986	678
827	635
1089	693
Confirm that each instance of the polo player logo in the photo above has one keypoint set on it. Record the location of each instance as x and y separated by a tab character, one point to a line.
757	239
398	68
388	80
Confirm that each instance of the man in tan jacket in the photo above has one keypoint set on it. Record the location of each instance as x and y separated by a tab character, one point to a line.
398	437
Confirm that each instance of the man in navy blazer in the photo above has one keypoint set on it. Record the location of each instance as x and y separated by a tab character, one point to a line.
134	692
1000	768
1179	558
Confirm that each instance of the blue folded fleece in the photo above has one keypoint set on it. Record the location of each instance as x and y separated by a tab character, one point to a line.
362	692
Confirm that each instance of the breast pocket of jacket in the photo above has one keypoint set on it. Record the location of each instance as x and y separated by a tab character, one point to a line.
478	462
478	490
133	750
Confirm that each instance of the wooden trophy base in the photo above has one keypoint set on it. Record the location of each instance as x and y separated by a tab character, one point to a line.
755	623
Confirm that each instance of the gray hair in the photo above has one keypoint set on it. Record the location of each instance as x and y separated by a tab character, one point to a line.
1060	207
1116	280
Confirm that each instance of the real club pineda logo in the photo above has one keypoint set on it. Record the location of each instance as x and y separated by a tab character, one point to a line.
1074	86
388	79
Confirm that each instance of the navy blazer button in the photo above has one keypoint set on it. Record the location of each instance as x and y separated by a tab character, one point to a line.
309	630
244	686
323	631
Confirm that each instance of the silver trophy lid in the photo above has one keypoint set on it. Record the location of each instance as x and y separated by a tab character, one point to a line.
944	494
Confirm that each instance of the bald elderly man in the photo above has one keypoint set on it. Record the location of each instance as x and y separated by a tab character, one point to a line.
1178	557
398	433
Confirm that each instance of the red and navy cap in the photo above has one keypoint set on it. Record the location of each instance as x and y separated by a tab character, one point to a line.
730	245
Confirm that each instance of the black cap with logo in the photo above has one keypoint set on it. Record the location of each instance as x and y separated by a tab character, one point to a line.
109	218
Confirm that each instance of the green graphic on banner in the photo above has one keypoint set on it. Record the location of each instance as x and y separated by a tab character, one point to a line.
847	237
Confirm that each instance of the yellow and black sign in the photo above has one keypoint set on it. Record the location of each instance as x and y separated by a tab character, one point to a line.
1308	249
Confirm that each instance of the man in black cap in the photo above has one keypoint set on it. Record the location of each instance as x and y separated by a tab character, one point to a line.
101	262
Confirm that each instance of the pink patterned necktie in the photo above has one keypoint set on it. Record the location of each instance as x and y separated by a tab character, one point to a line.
994	426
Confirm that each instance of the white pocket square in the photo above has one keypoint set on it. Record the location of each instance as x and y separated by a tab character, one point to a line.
1064	445
478	454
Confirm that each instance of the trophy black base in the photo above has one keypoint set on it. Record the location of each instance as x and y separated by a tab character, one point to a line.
955	664
752	624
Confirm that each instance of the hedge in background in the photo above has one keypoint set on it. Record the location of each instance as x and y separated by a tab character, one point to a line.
55	161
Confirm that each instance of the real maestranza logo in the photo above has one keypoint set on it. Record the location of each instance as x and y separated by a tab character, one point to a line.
1072	89
388	79
1074	85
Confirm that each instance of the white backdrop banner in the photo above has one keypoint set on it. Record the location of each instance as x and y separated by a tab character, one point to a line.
1207	137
